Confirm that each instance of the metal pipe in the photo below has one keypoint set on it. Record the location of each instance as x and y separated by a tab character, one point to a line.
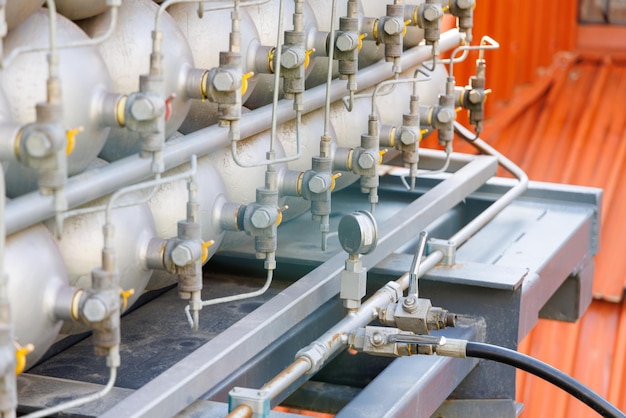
77	402
242	411
336	338
78	44
281	382
33	207
329	74
488	214
227	299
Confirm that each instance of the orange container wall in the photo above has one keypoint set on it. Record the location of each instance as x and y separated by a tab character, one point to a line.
529	33
557	110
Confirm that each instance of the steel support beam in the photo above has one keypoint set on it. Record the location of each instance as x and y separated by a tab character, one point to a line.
412	387
189	379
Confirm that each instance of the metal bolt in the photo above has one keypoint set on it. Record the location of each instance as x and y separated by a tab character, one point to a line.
94	310
290	59
377	339
408	137
410	304
393	26
182	255
463	4
38	144
345	43
261	218
224	81
431	13
366	161
475	96
445	115
318	184
142	109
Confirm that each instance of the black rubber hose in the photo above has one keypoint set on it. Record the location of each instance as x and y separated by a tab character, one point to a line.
546	372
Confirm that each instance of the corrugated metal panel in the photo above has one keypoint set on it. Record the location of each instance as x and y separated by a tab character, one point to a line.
560	115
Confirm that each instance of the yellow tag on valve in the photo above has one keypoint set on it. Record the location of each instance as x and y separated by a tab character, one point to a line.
244	82
205	250
20	356
125	294
71	139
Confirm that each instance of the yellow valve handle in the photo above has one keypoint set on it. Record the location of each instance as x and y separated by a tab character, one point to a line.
125	294
445	8
423	132
458	109
332	183
20	357
406	24
205	250
307	57
361	37
487	93
279	218
71	139
381	153
244	82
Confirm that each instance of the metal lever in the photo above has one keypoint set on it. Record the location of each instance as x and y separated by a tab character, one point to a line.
415	264
416	339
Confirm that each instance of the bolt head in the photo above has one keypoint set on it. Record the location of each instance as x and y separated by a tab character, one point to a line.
318	184
431	13
393	27
224	81
377	339
408	137
475	97
290	58
142	109
94	310
445	116
38	144
182	255
410	304
366	161
261	219
345	43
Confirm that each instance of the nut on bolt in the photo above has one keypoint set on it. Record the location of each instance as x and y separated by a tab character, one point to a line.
475	97
431	13
366	160
445	115
182	255
408	137
261	218
393	26
38	144
142	108
224	81
94	310
318	184
290	59
377	339
346	43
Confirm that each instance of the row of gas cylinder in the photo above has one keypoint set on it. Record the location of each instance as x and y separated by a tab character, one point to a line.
37	264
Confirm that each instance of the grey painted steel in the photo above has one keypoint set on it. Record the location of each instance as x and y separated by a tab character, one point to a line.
190	378
44	390
412	386
32	207
472	408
